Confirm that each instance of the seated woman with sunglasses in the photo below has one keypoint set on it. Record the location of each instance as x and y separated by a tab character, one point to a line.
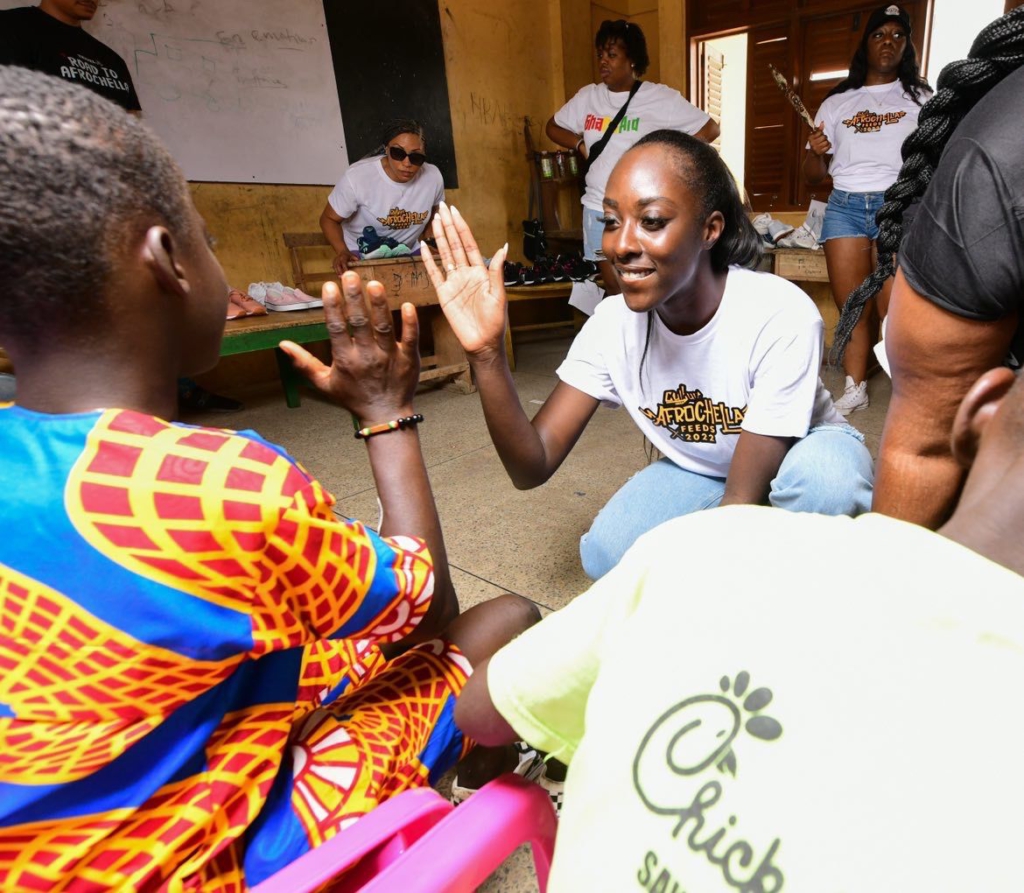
394	192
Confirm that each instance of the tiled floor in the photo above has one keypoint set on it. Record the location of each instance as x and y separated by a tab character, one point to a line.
499	539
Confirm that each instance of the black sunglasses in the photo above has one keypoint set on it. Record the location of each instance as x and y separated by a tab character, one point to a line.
397	153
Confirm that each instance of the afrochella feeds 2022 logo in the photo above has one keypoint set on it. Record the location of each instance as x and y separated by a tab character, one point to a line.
696	736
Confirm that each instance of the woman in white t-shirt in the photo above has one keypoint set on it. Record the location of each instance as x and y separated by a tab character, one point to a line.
716	364
584	119
862	125
388	197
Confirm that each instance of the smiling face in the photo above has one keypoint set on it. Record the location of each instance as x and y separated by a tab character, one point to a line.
70	12
657	238
403	171
615	67
885	48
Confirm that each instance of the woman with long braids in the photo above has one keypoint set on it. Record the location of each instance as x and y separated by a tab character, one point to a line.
958	294
862	123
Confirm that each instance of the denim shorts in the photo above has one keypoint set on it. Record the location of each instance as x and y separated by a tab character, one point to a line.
593	232
851	214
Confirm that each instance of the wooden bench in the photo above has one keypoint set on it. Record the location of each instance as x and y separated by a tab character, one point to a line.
406	281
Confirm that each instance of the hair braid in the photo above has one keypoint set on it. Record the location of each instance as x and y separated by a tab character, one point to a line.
997	51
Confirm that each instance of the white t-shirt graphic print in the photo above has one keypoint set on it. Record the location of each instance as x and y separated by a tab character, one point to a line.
866	128
753	367
654	107
367	196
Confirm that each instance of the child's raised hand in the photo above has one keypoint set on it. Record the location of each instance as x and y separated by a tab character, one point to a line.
371	374
471	295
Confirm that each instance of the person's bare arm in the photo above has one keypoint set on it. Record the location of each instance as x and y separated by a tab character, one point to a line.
935	357
563	137
476	715
709	132
817	157
375	377
472	298
754	466
330	225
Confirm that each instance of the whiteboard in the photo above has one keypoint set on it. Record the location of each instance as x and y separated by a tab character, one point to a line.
239	90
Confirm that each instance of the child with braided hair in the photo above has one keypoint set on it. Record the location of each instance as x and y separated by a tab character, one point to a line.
957	295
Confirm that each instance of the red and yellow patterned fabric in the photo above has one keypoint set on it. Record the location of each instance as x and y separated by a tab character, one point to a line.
191	693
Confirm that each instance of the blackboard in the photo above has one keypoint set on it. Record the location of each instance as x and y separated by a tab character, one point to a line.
239	90
389	63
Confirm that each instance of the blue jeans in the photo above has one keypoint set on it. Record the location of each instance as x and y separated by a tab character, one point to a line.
851	215
829	472
593	232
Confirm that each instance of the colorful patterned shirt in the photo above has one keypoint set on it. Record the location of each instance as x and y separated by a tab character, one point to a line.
176	603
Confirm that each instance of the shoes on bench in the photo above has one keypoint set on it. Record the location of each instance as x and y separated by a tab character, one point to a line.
277	297
240	304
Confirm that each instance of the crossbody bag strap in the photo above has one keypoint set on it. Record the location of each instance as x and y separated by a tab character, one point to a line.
598	147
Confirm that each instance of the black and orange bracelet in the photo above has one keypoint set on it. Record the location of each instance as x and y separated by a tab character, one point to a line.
409	421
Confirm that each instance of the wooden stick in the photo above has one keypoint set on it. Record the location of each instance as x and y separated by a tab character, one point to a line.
794	100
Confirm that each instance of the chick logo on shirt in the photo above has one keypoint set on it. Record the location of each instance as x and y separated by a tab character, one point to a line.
868	121
399	218
688	739
690	416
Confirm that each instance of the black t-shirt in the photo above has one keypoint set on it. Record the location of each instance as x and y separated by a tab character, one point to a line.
965	250
32	39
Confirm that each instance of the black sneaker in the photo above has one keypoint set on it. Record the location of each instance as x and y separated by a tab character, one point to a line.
529	276
513	273
194	398
581	270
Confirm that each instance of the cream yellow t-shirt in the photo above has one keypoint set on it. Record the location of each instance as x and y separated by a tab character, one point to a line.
744	711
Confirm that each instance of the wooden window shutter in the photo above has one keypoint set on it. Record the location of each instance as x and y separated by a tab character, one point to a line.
712	62
770	119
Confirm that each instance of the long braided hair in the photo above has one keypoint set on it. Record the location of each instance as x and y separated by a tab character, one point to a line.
996	52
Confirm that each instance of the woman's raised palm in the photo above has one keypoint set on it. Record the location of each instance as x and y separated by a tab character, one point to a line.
472	296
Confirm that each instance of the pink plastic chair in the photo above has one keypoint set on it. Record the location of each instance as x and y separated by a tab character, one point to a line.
419	841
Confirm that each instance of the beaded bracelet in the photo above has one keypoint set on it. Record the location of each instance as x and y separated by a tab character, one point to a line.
409	421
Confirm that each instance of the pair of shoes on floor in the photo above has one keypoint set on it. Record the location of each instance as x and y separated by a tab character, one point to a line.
240	305
801	237
195	398
531	767
277	297
855	397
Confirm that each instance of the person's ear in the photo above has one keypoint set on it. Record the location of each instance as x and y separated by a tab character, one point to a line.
977	409
713	227
160	256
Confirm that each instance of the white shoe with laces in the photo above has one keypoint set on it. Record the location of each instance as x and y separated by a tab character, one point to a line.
854	397
801	237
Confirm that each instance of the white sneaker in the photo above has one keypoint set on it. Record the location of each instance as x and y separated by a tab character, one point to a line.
778	230
761	222
801	237
855	397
